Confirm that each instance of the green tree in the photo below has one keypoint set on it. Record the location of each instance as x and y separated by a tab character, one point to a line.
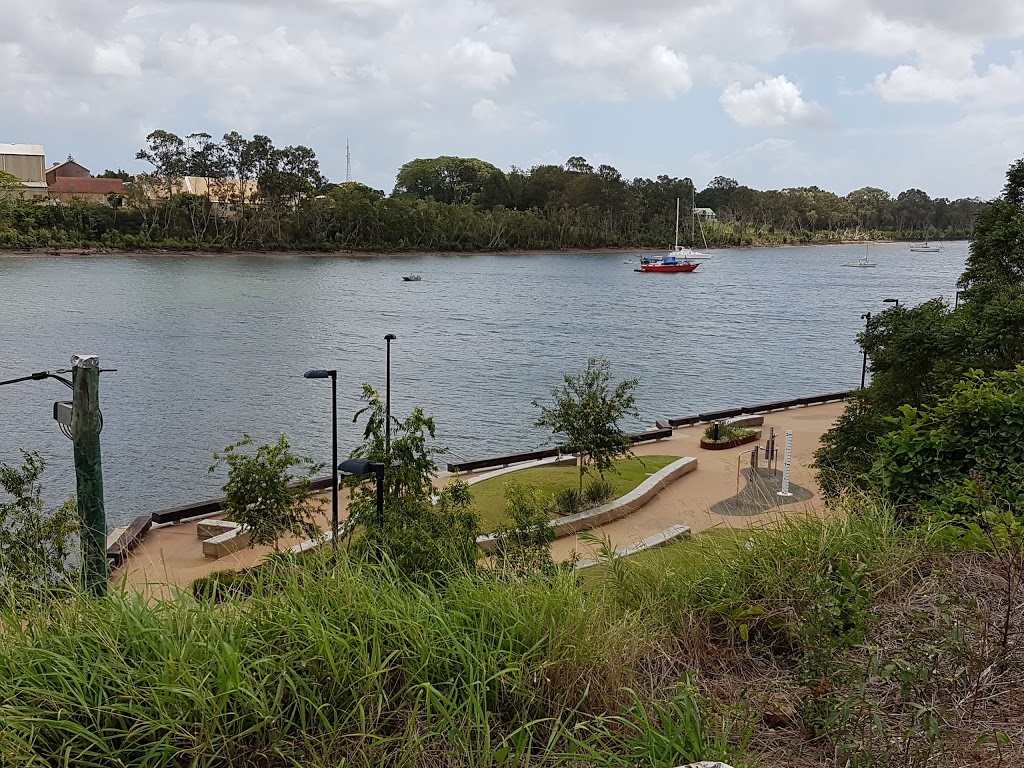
120	173
269	492
996	258
446	179
586	411
35	543
423	532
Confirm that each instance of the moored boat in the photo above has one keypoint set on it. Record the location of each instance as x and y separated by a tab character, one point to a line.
925	247
666	264
411	278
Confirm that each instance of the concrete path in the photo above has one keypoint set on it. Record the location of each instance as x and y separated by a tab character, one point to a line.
688	501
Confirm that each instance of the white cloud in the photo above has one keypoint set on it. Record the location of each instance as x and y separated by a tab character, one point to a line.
999	84
504	79
476	65
773	102
615	63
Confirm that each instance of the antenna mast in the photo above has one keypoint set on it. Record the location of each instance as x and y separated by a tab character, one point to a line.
348	163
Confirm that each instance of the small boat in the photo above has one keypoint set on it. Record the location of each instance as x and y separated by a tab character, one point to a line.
411	278
925	247
863	262
666	264
628	261
679	259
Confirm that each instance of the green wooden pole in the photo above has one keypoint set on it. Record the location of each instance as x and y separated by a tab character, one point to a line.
85	435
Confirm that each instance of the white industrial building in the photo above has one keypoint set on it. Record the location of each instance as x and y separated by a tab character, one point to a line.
28	163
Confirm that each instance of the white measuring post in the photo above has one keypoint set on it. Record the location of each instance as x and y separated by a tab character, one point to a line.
787	465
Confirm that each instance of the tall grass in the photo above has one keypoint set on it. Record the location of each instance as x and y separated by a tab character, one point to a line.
321	666
349	665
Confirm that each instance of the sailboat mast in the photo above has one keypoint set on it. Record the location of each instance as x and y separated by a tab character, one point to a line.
677	224
693	214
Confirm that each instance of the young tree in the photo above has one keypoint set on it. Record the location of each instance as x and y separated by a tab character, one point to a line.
420	534
35	543
268	492
587	410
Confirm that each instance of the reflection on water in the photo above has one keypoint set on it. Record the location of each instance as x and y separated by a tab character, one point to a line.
208	348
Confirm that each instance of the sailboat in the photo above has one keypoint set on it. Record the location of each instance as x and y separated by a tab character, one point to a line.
925	247
679	259
864	262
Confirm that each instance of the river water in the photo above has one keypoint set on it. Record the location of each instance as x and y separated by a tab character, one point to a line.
207	348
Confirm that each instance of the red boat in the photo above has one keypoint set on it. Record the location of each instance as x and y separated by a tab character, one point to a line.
667	264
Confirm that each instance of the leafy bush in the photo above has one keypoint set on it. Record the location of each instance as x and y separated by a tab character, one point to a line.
598	491
35	543
525	546
976	434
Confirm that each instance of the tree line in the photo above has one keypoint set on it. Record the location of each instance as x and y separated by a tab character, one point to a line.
257	196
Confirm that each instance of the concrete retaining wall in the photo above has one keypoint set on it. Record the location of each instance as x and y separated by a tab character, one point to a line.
613	510
667	536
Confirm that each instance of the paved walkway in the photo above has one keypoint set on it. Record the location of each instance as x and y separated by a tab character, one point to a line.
173	555
688	501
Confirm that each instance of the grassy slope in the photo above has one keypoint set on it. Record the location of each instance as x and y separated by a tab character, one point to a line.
868	635
489	496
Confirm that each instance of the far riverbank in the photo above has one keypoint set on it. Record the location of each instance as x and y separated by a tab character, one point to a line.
347	254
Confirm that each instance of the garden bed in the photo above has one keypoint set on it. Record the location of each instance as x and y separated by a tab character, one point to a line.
711	445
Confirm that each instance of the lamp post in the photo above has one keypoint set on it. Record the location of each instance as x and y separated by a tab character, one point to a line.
333	376
956	299
866	317
892	301
361	468
387	407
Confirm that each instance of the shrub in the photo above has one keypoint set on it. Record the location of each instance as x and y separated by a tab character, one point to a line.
724	432
568	501
525	547
598	491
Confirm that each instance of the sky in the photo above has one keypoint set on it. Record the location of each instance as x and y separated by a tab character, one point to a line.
774	93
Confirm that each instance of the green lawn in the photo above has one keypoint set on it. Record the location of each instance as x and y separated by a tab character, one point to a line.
489	496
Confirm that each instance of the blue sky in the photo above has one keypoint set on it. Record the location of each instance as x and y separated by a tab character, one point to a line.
777	93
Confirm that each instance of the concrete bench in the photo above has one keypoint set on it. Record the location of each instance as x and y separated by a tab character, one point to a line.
226	543
207	529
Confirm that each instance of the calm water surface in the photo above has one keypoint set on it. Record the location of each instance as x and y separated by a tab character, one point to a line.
208	348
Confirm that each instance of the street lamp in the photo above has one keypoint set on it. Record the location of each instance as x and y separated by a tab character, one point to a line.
333	376
956	299
866	317
361	468
387	423
891	301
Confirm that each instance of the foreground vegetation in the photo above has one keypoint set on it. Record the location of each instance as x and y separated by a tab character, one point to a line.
846	641
258	196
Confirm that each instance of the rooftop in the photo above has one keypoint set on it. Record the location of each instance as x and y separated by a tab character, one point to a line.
68	185
22	149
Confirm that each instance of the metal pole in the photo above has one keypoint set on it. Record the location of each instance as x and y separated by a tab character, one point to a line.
334	463
788	464
380	495
85	435
864	364
387	426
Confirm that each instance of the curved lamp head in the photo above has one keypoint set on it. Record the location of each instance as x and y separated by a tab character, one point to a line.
891	301
357	467
390	337
319	373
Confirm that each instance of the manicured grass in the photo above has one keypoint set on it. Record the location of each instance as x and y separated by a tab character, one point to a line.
489	496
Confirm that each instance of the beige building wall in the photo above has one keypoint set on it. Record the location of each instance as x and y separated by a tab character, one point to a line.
28	163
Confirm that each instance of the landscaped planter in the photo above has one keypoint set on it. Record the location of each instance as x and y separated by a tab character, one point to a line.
710	446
